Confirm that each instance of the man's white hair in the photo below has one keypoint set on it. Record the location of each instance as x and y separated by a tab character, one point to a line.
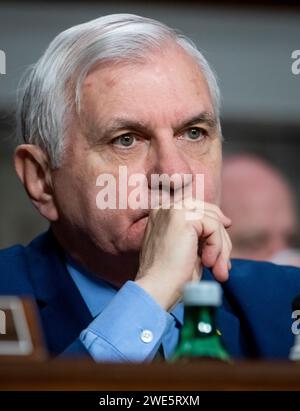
51	89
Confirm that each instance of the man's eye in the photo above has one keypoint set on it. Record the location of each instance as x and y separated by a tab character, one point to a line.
126	140
195	133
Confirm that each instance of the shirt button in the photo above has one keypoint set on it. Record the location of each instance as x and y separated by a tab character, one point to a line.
146	336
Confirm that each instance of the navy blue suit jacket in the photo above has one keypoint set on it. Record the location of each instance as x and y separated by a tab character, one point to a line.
255	318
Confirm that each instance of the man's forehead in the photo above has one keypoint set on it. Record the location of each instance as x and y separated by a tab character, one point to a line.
115	98
170	61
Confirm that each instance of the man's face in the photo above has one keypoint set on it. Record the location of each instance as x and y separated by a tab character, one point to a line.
260	204
154	117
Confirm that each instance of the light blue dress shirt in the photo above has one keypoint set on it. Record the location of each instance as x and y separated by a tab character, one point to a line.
128	325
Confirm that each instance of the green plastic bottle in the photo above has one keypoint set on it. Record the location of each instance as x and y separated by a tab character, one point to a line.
199	337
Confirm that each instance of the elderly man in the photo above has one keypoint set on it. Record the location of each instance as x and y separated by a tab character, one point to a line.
128	91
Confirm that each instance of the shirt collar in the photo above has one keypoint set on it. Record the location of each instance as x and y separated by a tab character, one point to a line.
96	292
178	314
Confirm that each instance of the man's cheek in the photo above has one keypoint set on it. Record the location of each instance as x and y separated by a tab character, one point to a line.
212	192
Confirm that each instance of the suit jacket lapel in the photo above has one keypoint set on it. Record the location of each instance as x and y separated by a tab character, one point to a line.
63	311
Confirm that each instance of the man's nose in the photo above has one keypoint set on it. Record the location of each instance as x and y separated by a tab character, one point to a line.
169	159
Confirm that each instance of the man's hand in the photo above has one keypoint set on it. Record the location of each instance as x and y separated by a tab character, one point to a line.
176	247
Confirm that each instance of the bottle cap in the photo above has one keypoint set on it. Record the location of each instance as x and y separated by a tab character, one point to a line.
202	293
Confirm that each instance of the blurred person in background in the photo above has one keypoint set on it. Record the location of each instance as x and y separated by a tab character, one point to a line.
261	204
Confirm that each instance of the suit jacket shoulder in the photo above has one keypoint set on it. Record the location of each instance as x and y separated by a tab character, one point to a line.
14	272
261	293
38	270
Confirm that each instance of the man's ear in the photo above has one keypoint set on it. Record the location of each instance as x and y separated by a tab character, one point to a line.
34	171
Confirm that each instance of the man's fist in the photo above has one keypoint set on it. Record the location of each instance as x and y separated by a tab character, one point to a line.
176	246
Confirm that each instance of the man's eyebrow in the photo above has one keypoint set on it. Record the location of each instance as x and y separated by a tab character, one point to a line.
120	123
204	117
123	123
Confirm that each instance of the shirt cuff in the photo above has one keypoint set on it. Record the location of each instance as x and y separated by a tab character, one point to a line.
130	328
